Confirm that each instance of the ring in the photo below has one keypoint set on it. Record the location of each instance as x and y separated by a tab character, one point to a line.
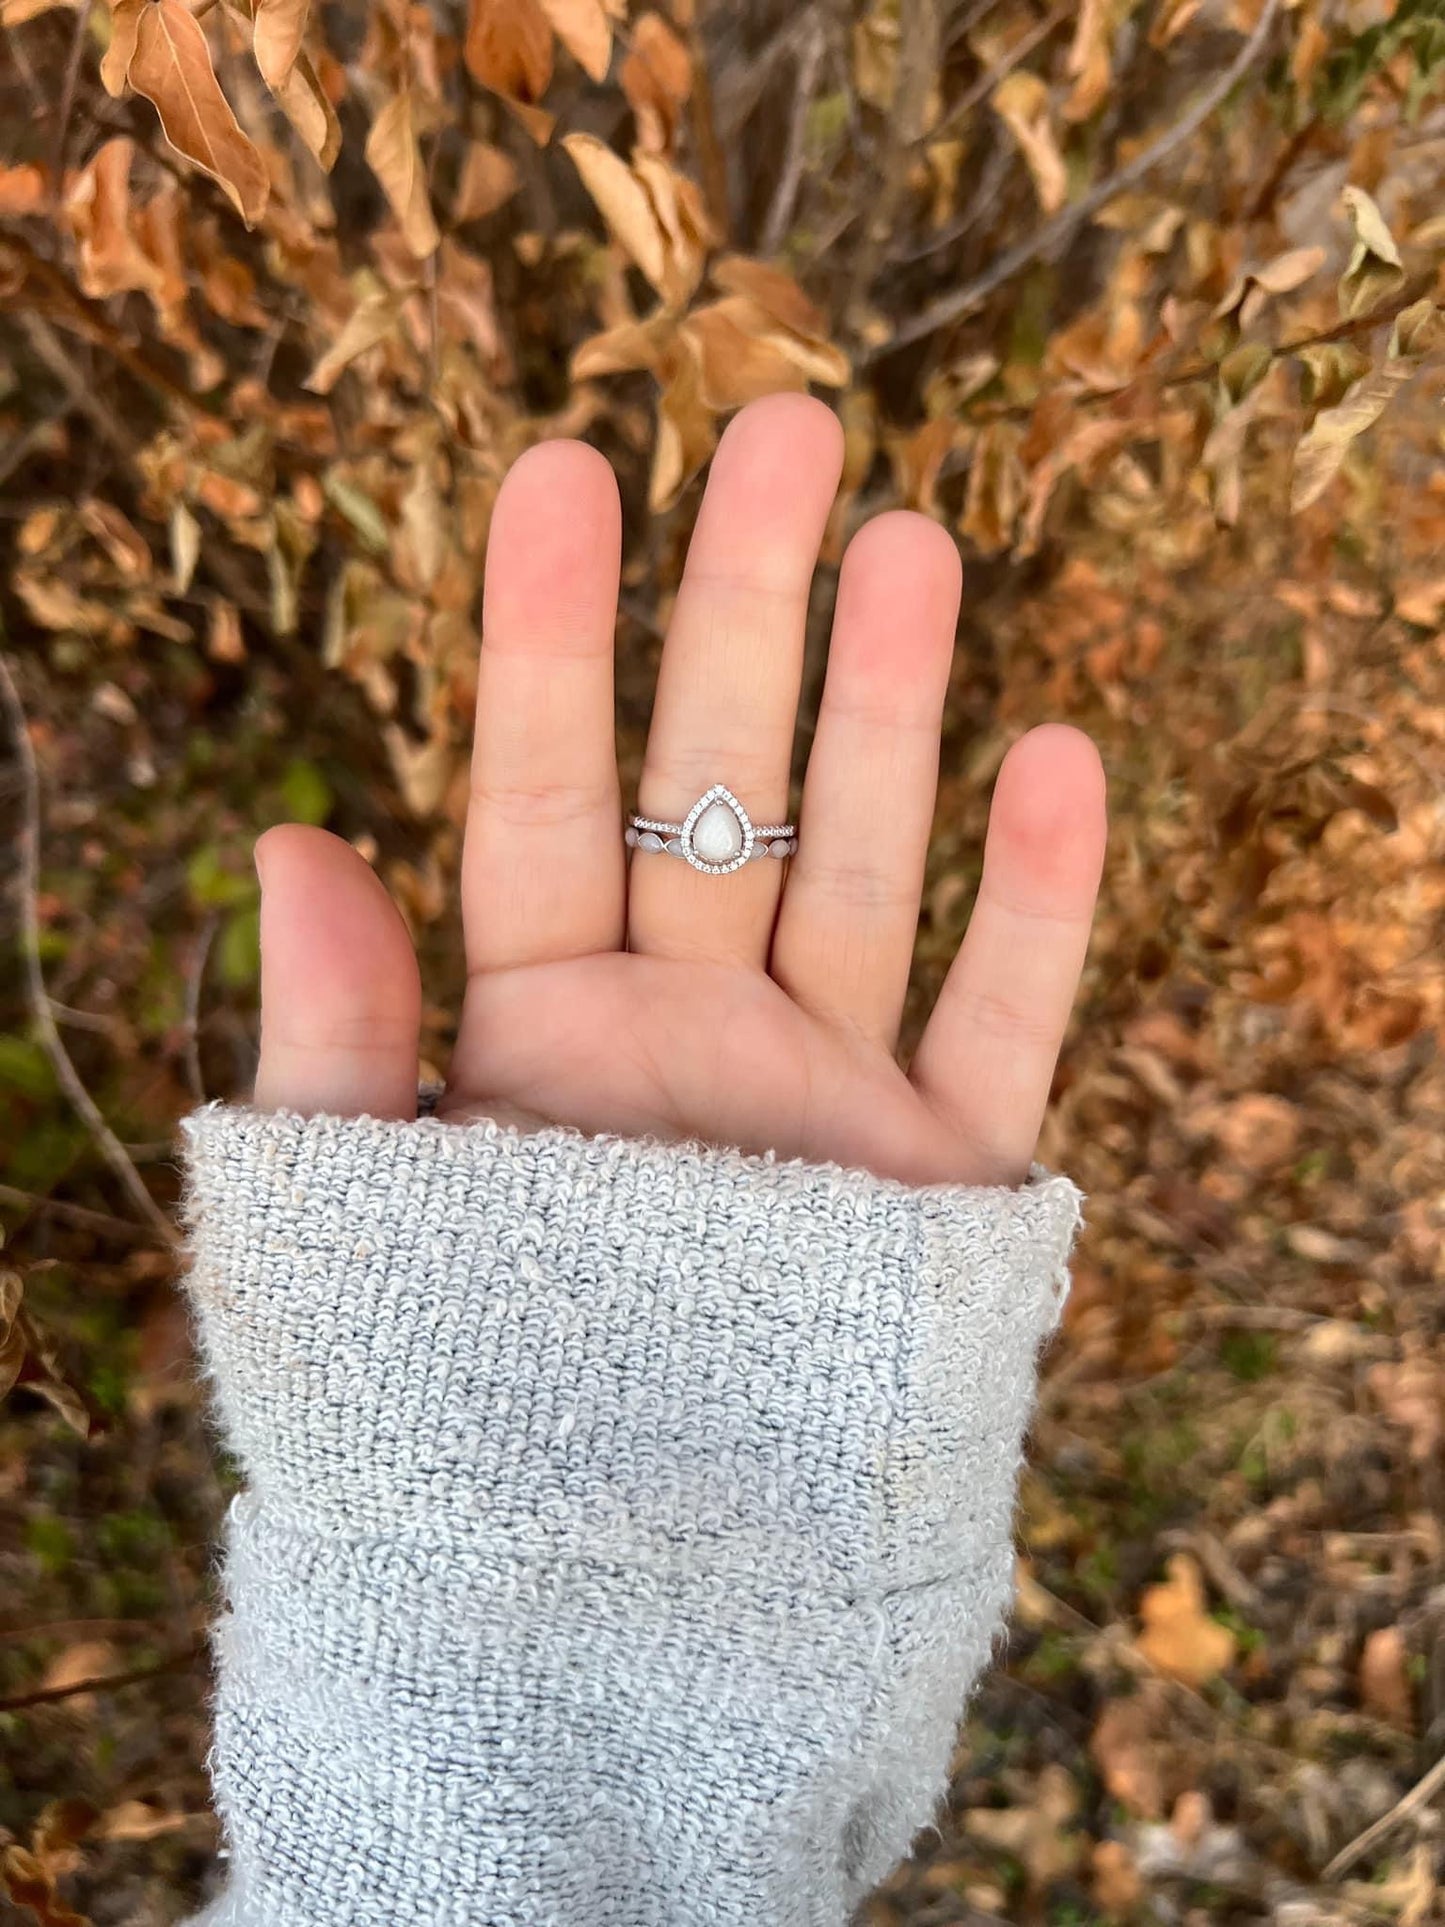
716	836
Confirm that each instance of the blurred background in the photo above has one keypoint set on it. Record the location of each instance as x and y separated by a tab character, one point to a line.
1139	298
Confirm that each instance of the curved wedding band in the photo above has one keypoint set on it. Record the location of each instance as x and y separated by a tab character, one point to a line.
716	836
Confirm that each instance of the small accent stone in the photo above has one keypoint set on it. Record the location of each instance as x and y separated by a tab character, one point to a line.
781	848
674	846
717	835
631	837
649	840
759	850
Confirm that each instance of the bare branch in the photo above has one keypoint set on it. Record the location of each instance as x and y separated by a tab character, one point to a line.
790	174
1055	233
28	845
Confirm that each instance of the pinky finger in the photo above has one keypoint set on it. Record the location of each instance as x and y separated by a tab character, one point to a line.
986	1061
340	990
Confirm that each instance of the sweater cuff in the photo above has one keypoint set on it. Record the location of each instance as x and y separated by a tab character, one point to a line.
677	1358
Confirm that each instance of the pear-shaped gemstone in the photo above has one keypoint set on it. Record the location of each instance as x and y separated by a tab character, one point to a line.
717	835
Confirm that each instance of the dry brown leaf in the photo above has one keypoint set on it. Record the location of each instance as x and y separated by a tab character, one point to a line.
22	190
1021	101
629	346
1385	1687
1375	269
1089	59
87	1659
278	29
14	13
488	179
739	361
109	259
466	302
1327	441
1179	1638
1411	1393
682	217
171	66
585	29
371	321
393	154
115	65
996	489
656	77
1259	1131
686	430
307	105
509	49
624	204
1171	20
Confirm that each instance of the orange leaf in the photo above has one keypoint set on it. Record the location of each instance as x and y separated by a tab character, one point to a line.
509	49
22	190
394	157
1179	1637
171	66
656	77
280	26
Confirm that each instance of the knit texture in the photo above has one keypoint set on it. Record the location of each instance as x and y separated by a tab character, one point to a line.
625	1523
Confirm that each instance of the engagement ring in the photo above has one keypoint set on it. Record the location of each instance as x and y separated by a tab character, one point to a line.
716	836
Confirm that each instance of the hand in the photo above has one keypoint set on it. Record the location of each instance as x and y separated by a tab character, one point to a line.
630	994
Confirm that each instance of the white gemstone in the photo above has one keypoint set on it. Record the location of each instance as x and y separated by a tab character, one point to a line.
631	837
780	849
717	835
649	840
674	846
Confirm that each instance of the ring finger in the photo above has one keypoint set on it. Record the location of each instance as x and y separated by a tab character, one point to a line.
727	691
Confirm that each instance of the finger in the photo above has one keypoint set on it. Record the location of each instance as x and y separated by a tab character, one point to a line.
340	991
543	875
727	691
986	1061
846	929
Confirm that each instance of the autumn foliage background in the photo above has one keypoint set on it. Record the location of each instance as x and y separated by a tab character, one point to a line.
1140	298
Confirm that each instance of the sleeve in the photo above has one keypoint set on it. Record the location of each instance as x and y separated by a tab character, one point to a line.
624	1524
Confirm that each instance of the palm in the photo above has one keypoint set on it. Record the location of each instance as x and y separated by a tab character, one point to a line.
649	1047
756	1009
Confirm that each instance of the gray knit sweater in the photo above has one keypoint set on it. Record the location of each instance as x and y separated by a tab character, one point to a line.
624	1525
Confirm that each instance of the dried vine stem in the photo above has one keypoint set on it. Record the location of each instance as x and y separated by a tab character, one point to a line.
28	846
959	302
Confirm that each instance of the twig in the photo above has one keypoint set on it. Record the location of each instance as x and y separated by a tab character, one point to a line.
1419	1795
195	983
985	84
28	844
67	99
51	350
712	164
790	174
80	1215
919	31
959	302
106	1682
24	445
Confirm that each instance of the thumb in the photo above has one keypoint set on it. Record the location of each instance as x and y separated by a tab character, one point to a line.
340	989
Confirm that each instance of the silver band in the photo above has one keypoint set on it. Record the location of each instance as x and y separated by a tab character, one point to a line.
716	836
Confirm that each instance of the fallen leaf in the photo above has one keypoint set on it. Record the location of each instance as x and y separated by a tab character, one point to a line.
394	156
1384	1682
1411	1393
1259	1131
656	78
109	259
171	66
996	489
1040	1835
488	179
279	27
585	29
1179	1638
686	429
1021	101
